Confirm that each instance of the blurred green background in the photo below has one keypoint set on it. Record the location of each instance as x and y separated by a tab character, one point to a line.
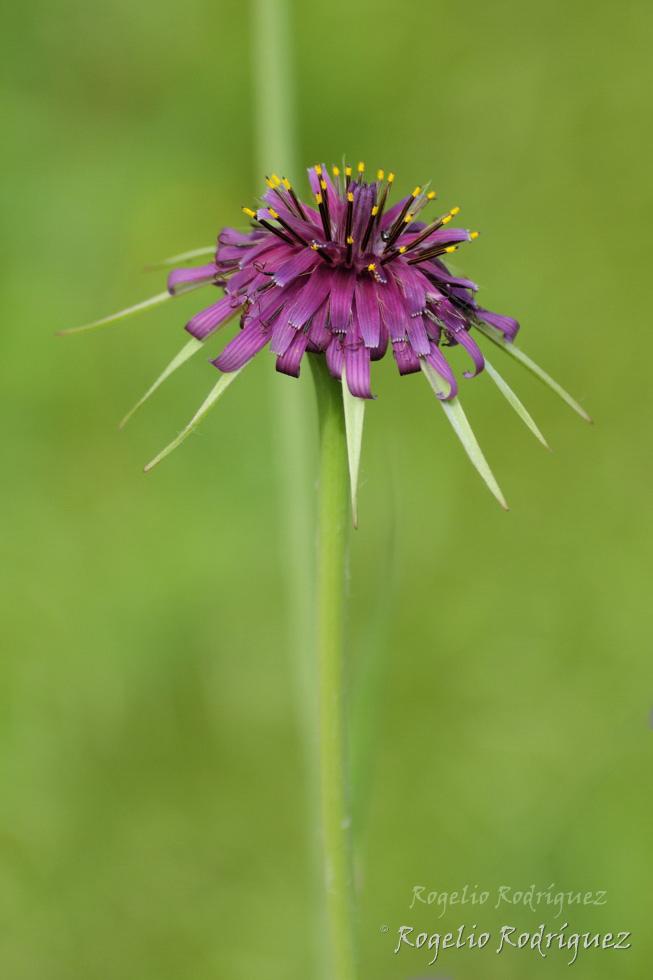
153	821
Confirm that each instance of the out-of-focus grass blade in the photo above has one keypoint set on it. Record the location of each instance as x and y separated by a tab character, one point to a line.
194	253
496	337
460	424
354	418
516	403
120	315
184	354
215	393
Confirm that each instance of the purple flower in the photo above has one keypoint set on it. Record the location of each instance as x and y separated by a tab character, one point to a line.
348	276
345	277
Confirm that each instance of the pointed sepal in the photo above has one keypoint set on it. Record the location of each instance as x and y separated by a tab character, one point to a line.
213	396
120	315
497	338
515	402
184	354
460	424
354	409
182	257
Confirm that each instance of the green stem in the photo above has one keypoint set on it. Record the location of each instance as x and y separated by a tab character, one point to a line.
333	531
272	65
272	60
274	89
275	151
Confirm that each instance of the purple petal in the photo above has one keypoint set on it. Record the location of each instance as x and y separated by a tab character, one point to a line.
233	254
279	195
311	297
472	348
208	320
181	277
390	216
271	249
308	230
414	287
231	236
417	335
433	329
336	205
341	299
282	334
439	270
443	236
407	361
268	261
464	297
364	195
313	180
505	324
393	310
258	286
319	334
243	347
437	359
333	198
357	371
335	357
357	364
289	363
368	313
301	262
376	353
314	218
453	319
457	328
240	279
268	303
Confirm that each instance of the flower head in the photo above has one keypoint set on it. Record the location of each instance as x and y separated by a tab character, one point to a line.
349	276
345	277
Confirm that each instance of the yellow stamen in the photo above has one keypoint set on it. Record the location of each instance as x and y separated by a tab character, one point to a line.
409	217
375	210
318	199
348	171
417	192
335	171
455	211
249	212
350	196
318	169
391	177
402	249
314	246
286	183
361	167
451	248
371	267
380	174
350	240
447	218
473	235
323	185
270	182
431	195
273	213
